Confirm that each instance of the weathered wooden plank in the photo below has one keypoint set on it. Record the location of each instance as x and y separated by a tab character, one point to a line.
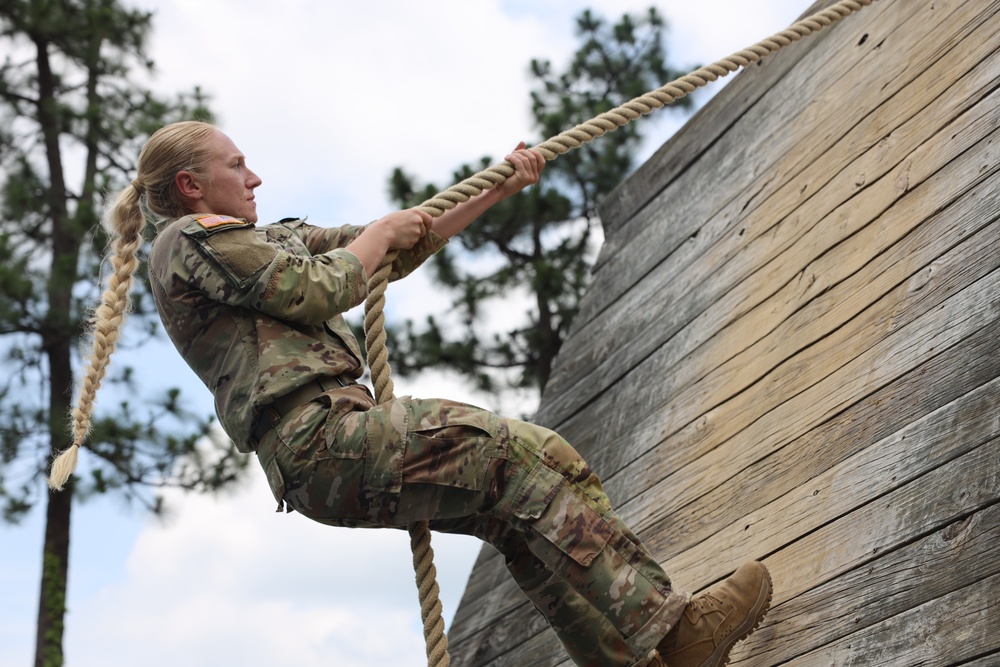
801	142
659	322
912	296
947	631
925	389
688	411
776	102
661	305
525	648
953	491
743	163
932	384
496	619
519	601
774	305
895	353
489	572
992	659
676	155
878	470
960	554
920	509
940	498
491	619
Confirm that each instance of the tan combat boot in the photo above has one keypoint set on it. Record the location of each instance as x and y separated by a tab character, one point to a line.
715	620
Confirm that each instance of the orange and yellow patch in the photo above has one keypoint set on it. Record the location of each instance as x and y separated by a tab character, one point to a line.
213	221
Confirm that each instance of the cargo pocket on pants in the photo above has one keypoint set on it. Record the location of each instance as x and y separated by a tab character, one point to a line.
451	445
562	517
386	426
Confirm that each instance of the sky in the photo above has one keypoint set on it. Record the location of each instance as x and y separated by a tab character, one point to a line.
325	99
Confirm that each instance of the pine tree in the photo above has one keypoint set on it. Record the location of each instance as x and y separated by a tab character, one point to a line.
72	118
543	237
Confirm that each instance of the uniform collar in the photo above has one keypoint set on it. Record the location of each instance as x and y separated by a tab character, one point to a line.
163	223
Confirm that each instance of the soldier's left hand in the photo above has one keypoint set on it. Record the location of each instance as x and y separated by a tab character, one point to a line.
528	165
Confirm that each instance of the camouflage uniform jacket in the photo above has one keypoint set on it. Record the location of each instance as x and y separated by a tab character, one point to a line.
257	311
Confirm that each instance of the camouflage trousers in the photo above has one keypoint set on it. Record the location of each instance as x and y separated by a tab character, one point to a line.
520	487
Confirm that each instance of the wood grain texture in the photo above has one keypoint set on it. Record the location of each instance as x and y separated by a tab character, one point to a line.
674	294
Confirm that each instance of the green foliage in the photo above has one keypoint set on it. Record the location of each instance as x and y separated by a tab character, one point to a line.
542	240
72	119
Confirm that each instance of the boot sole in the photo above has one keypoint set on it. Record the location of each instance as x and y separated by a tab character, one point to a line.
720	657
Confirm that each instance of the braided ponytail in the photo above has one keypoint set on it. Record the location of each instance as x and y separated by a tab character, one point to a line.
171	149
125	223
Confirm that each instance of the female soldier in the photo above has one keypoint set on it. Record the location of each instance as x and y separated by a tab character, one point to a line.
257	314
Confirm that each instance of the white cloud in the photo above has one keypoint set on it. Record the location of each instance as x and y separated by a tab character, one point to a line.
233	582
325	98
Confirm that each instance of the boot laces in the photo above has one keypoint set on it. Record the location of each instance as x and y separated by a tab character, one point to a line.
707	602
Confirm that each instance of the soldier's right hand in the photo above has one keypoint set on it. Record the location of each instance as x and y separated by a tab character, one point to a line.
402	229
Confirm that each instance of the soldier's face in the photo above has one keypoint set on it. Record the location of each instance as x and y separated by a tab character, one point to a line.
230	184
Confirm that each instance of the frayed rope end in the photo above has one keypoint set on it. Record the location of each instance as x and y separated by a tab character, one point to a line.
63	467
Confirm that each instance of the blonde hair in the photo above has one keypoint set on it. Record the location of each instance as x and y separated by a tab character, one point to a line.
173	148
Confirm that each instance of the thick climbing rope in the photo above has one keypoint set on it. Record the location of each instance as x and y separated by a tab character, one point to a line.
375	337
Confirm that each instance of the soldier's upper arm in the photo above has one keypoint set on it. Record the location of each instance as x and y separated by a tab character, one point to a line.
236	264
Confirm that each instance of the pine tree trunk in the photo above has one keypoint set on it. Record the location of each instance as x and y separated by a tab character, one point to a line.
57	337
55	551
52	598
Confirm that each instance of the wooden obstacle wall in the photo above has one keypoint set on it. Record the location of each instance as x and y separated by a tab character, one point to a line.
790	351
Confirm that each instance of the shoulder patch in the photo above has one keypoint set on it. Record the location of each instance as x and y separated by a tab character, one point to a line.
213	221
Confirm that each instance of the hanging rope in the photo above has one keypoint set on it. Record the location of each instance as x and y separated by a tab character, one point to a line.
375	337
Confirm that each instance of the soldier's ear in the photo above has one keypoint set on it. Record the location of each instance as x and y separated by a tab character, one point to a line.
188	186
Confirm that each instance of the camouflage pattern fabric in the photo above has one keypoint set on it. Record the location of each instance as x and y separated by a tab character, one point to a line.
343	461
257	313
